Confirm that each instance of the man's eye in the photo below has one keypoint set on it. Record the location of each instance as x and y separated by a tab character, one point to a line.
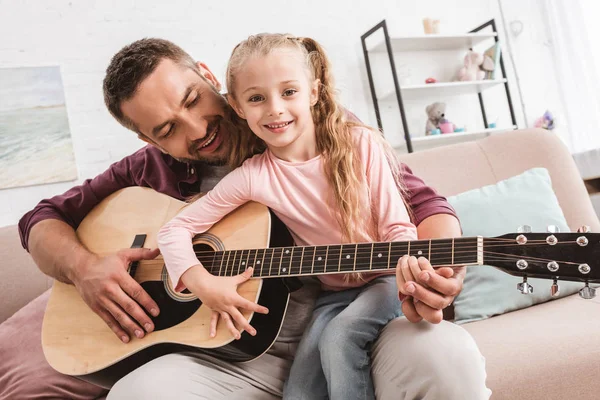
194	102
169	132
255	99
289	92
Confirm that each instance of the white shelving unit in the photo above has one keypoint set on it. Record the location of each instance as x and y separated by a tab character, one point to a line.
424	142
392	45
444	88
434	42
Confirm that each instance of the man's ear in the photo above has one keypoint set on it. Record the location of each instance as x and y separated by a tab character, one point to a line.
151	142
206	72
236	107
314	92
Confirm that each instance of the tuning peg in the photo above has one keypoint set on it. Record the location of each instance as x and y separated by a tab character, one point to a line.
587	292
524	229
584	229
554	289
553	229
525	287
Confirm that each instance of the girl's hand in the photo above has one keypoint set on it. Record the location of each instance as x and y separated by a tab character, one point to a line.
221	296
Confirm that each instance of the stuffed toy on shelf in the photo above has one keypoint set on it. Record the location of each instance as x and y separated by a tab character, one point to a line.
475	67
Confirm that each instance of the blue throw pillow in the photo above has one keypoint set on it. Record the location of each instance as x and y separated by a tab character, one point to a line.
494	210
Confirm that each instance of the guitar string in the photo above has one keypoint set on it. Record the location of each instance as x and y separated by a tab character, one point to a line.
437	246
496	257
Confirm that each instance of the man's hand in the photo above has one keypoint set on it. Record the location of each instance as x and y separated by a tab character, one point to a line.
114	295
221	296
429	291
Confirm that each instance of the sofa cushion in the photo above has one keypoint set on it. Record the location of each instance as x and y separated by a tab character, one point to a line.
24	372
494	210
546	352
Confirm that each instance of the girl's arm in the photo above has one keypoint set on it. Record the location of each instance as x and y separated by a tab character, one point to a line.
175	237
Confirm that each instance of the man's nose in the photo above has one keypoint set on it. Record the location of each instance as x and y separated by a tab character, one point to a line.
196	128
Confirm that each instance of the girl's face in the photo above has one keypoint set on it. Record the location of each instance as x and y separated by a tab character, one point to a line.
275	93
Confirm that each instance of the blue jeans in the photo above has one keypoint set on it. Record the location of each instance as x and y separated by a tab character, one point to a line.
333	358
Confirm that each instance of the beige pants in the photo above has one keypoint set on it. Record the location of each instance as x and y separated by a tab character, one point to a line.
410	361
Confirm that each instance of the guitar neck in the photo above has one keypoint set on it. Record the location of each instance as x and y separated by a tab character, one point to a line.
345	258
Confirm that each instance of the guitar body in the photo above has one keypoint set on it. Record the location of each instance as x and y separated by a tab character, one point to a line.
77	342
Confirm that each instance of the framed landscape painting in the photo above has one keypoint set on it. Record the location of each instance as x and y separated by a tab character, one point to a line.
35	140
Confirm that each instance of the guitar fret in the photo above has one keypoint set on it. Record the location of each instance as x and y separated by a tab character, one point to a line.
271	261
250	261
320	259
227	263
312	268
332	265
262	261
290	265
379	259
221	264
371	257
241	262
355	253
280	262
429	257
296	261
347	258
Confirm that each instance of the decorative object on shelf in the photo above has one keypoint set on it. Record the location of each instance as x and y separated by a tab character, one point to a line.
446	126
435	113
431	26
435	131
494	54
430	80
546	121
475	67
458	130
493	124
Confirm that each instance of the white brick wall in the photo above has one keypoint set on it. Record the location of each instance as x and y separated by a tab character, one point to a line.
81	36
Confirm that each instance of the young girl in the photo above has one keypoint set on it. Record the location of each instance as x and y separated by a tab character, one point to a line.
330	181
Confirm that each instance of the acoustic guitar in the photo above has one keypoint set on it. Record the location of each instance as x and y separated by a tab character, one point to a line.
77	342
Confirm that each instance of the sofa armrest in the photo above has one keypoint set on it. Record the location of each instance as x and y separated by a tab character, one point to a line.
20	279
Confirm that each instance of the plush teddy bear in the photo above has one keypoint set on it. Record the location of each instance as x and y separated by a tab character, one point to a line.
475	67
435	113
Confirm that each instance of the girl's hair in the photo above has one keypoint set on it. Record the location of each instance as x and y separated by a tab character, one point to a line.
333	132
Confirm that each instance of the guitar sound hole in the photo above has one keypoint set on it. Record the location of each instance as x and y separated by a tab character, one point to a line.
172	312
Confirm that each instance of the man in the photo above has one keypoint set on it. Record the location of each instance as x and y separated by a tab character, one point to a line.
156	89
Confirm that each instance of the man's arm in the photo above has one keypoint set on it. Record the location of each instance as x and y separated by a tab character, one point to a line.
432	293
56	249
48	233
435	218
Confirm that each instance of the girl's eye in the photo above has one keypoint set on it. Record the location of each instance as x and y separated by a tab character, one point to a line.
289	92
255	98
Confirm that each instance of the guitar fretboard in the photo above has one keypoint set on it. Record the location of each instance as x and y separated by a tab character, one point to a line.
334	259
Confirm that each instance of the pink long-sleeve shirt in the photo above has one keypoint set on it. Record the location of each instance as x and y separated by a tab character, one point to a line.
297	193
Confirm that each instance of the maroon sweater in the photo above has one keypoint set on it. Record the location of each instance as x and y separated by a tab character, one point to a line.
149	167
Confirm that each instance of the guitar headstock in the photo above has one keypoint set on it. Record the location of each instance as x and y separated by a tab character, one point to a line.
557	256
